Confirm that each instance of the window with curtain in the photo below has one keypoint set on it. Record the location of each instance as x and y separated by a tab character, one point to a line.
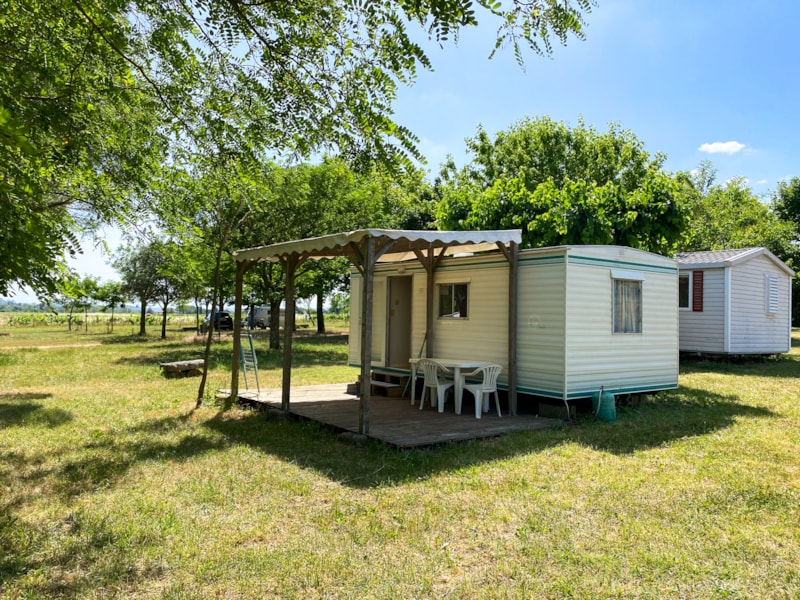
453	300
627	306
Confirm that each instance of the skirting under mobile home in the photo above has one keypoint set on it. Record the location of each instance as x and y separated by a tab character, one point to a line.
735	302
588	317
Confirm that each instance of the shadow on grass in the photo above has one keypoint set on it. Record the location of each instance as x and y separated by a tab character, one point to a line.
779	365
77	554
133	339
669	416
107	456
22	409
664	419
326	350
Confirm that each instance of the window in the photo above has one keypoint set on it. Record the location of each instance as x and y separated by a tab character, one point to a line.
627	306
453	300
683	290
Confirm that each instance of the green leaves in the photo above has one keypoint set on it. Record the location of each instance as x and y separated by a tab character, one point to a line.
732	216
97	95
77	139
565	186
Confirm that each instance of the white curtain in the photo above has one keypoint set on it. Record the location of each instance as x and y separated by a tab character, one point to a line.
627	306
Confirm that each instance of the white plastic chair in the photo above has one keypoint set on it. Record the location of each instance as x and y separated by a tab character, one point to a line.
488	385
431	369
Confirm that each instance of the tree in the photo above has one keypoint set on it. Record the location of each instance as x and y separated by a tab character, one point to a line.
74	294
170	282
91	91
786	200
308	200
111	296
732	216
786	203
138	267
565	186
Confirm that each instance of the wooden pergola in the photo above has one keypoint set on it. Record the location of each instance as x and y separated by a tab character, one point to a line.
366	248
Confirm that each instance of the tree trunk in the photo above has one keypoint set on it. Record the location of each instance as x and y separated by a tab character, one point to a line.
320	311
201	390
164	324
112	318
274	324
142	317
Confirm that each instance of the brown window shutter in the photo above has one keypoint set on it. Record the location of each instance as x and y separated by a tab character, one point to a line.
697	291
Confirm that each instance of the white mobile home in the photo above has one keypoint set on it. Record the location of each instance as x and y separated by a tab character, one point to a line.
587	317
735	302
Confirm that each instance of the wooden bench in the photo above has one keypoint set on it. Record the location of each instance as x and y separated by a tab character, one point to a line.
182	368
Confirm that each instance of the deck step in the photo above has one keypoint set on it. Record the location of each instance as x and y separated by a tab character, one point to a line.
387	384
384	384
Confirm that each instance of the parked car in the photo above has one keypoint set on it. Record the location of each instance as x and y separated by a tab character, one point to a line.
222	322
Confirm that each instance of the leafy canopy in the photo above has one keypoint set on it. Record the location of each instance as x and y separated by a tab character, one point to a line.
76	132
565	186
731	215
95	94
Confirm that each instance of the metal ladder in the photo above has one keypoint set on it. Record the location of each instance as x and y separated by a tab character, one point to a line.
248	356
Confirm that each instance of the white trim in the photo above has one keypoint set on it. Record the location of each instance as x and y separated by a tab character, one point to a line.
726	310
688	276
451	279
627	275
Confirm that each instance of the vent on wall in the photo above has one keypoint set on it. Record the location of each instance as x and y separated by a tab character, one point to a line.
772	294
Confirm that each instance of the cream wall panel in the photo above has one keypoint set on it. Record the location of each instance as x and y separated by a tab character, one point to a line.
541	327
598	357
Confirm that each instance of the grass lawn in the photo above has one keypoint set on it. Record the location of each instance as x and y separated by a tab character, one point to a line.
112	484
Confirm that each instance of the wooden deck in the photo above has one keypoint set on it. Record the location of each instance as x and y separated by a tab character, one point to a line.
393	420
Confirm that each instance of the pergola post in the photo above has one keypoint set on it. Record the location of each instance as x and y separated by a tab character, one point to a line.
290	264
430	342
368	266
513	305
241	268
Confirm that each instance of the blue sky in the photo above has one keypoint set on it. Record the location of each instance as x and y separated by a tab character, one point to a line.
694	79
681	75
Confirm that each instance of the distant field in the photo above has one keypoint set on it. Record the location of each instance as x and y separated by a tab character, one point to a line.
112	485
93	321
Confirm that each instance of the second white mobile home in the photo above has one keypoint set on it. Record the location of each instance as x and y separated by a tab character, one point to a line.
735	301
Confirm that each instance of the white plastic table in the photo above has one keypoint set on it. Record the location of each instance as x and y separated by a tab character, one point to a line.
451	363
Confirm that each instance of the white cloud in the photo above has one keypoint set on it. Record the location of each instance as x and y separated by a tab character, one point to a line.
722	147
